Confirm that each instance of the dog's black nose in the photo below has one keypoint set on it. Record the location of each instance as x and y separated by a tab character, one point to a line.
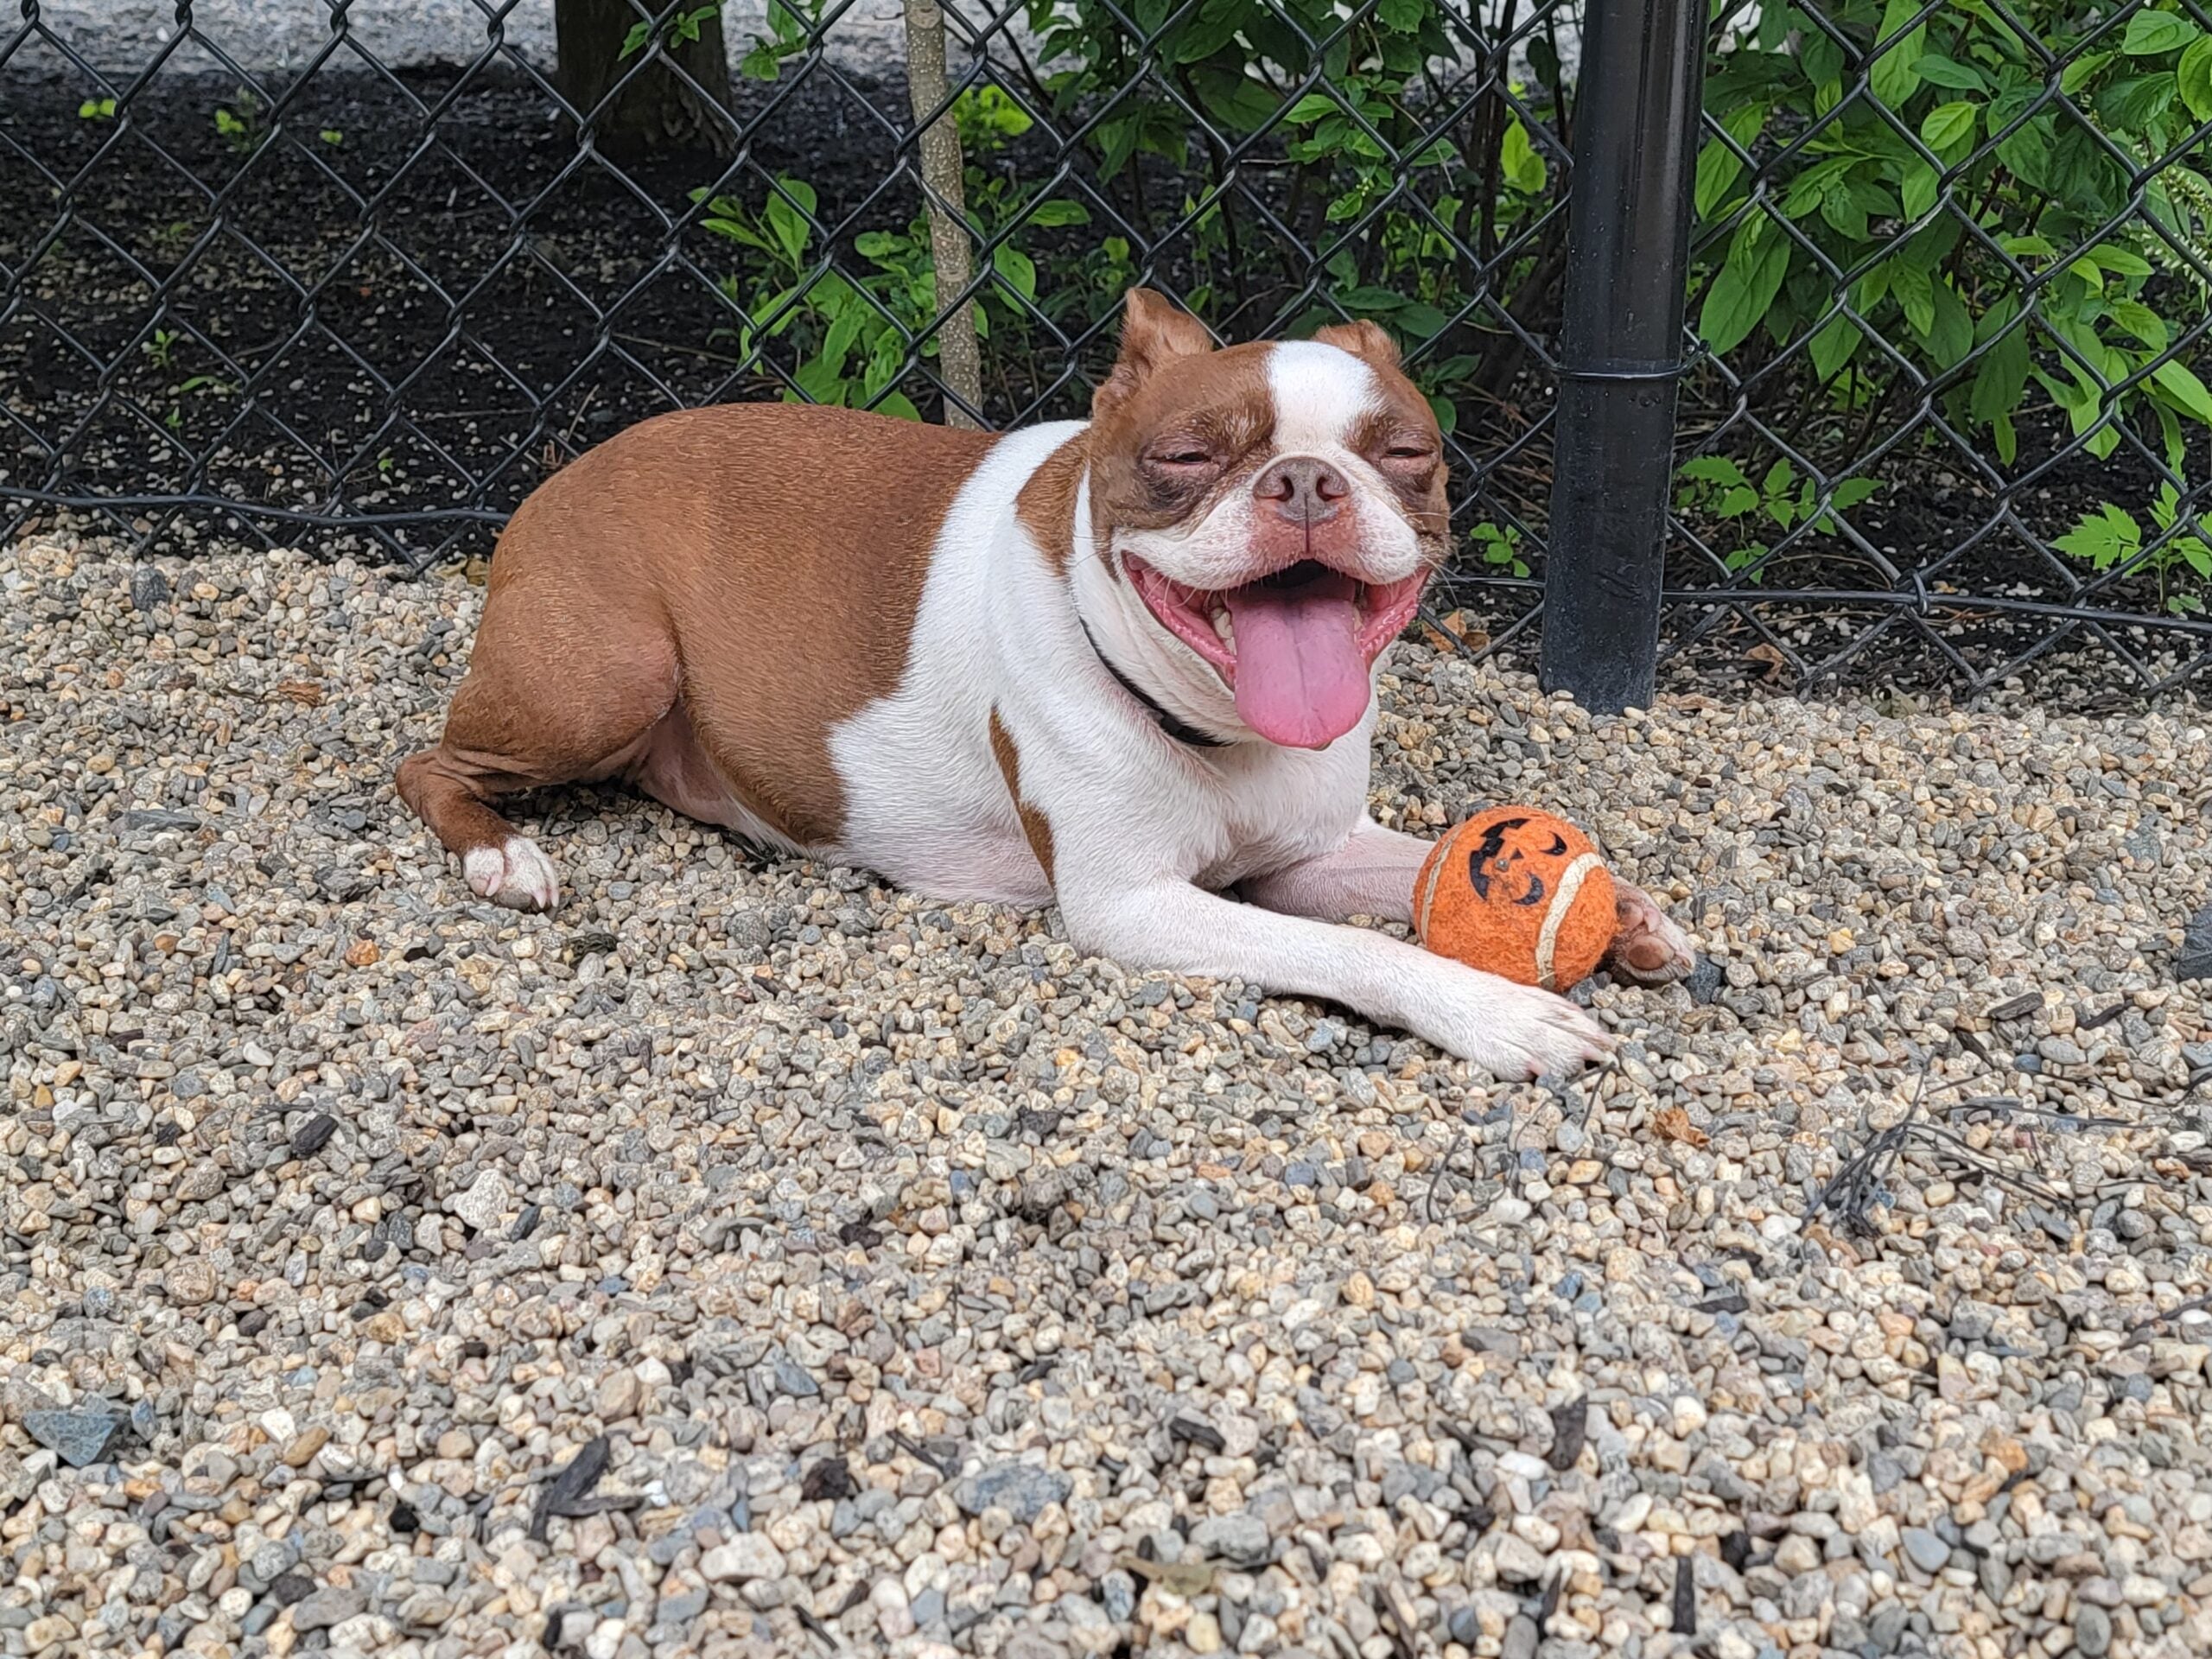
1303	488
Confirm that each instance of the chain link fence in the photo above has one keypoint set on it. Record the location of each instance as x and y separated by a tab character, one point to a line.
357	274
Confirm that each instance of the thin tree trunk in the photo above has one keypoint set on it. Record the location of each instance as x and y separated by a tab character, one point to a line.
656	110
959	358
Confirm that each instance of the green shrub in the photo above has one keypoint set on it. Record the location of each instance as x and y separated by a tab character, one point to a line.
1902	207
1987	228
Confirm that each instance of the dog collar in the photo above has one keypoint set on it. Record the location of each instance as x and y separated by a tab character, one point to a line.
1166	722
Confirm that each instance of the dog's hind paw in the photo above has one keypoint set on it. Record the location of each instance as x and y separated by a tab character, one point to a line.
516	875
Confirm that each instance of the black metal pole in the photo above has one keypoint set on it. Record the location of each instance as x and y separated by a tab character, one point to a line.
1636	144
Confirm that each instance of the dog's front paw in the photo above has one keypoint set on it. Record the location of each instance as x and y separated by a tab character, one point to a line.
1521	1032
1648	948
516	875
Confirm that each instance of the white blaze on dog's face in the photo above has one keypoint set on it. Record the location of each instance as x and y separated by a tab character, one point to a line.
1277	508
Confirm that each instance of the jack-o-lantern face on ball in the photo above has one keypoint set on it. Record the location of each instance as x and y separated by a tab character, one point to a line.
1518	892
1513	860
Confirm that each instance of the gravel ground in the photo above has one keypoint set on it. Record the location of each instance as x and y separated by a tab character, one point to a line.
749	1259
123	34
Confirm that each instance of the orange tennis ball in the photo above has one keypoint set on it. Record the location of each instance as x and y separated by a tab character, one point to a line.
1520	894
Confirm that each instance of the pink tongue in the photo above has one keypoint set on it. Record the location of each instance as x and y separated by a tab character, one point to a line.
1300	679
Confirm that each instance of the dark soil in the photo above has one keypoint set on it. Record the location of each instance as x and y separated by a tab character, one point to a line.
404	299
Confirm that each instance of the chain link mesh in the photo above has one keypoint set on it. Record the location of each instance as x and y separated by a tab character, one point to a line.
363	301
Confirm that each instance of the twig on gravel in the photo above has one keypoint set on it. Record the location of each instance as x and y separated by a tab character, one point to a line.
816	1627
1204	1435
1444	1170
914	1448
568	1491
1685	1608
1857	1187
2144	1328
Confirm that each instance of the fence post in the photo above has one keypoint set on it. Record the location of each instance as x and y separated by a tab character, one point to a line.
1635	144
959	358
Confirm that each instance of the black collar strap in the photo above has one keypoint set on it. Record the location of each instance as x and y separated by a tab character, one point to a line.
1168	722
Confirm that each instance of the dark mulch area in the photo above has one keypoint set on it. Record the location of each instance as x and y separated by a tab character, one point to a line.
427	324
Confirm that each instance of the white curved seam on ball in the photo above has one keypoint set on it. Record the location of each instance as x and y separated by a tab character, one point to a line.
1570	884
1427	898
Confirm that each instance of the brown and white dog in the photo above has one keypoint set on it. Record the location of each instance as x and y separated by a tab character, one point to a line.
1127	665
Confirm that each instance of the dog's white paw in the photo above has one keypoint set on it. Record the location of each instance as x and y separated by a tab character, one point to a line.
1525	1033
516	875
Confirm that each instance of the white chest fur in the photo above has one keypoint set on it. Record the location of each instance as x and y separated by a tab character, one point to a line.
998	630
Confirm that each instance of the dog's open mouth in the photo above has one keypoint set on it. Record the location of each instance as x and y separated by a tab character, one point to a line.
1295	646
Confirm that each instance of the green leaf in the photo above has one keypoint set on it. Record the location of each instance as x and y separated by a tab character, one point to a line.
2121	260
2002	377
1842	210
2105	538
1939	71
634	42
787	219
1050	215
1948	124
837	342
1850	492
2151	32
2141	320
1237	101
1713	469
1523	169
2187	391
1118	141
819	382
2193	74
2027	152
1017	269
898	406
1915	294
1717	165
1215	27
1815	182
2077	73
1404	15
1833	345
1896	74
1950	334
1314	106
1420	321
1917	188
1758	258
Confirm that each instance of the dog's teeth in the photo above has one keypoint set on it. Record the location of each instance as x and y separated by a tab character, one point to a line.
1224	628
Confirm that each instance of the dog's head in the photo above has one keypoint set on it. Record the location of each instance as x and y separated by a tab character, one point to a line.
1276	507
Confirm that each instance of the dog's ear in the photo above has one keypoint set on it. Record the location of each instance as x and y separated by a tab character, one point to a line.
1154	332
1363	340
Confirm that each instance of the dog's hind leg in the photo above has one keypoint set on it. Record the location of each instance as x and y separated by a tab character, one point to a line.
557	692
